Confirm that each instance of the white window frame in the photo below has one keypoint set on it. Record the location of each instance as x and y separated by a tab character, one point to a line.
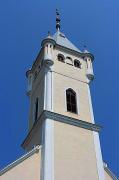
77	100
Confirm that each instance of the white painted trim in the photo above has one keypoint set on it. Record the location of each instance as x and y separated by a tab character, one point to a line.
71	121
90	104
98	156
48	130
48	91
21	159
49	150
42	153
65	101
78	102
52	81
60	118
98	153
109	172
44	90
52	125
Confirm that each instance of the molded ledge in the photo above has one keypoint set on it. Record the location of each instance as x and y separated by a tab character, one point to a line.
60	118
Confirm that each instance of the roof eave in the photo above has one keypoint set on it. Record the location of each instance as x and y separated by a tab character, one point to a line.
109	172
81	54
21	159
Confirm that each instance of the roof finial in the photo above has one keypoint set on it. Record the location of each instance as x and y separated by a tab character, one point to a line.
48	33
57	20
85	49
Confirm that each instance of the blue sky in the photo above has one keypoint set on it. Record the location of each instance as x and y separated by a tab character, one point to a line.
23	24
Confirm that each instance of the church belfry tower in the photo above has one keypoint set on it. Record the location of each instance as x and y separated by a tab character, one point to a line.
61	117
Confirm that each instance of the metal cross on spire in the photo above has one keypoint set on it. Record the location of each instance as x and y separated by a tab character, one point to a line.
57	20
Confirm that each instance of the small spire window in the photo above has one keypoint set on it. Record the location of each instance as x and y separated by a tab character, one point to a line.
71	101
77	63
61	57
35	75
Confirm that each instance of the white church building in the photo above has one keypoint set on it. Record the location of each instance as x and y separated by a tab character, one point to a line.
63	139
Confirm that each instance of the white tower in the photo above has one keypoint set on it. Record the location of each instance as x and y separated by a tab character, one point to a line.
61	117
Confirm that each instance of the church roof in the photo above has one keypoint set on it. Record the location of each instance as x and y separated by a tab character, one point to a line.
109	172
20	160
61	40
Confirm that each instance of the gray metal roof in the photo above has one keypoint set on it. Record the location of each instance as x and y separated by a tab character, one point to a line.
61	40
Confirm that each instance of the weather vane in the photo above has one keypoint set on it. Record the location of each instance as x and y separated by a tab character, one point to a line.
57	20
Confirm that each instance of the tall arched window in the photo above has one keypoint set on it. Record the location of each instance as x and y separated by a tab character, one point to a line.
71	101
35	75
36	110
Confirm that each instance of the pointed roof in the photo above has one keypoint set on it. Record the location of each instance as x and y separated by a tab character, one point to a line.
61	40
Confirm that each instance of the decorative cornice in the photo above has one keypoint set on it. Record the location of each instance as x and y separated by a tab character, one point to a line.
60	118
71	121
48	40
21	159
78	54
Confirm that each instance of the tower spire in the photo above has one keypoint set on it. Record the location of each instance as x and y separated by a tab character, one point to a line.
57	20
